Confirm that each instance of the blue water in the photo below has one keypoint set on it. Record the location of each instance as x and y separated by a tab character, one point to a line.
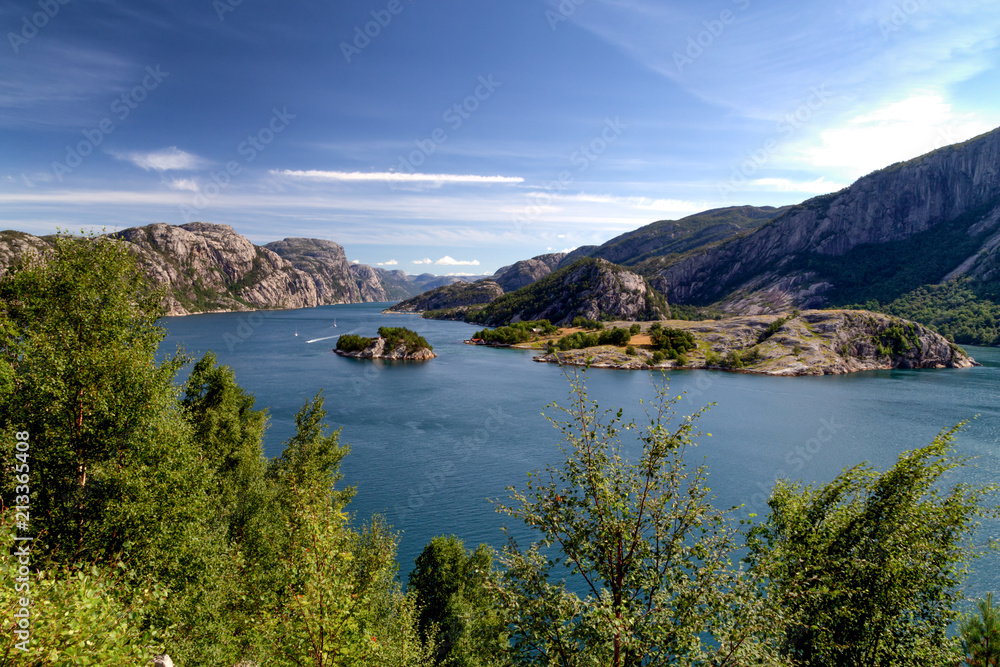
433	442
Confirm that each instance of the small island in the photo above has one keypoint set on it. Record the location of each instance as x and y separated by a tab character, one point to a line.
393	343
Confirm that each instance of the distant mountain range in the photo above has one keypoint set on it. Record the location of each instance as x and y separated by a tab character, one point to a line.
918	239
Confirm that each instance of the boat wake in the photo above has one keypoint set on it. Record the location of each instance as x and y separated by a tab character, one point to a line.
316	340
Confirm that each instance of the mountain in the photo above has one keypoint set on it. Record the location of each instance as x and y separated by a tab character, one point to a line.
326	263
206	267
527	271
674	237
591	288
912	224
451	296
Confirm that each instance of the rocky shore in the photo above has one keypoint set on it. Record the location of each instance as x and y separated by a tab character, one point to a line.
815	342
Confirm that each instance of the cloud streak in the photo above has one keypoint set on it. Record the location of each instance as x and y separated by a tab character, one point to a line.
166	159
392	176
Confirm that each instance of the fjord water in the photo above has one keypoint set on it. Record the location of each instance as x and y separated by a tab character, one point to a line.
432	442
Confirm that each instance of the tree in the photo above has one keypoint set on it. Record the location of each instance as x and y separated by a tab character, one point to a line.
451	588
870	566
79	336
981	635
642	542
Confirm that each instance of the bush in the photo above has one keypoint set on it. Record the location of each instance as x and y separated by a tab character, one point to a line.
581	322
635	329
772	329
395	335
630	350
578	341
616	336
673	342
741	358
520	332
658	358
713	358
353	343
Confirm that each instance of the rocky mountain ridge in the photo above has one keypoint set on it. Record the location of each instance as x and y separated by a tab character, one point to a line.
208	267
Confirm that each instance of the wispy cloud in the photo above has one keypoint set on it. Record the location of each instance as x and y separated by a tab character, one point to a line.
392	176
183	184
391	262
165	159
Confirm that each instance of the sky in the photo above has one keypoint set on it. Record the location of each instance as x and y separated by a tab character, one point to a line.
458	136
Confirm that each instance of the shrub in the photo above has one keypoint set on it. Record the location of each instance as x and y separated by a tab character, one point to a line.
635	329
616	336
672	341
395	335
630	350
658	358
353	343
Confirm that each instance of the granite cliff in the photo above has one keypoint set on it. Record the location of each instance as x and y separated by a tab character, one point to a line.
450	296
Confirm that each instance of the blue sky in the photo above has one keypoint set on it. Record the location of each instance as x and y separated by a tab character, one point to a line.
457	136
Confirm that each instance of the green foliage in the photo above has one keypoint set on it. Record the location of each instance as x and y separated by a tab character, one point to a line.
980	635
960	310
737	359
896	340
642	541
519	332
797	349
630	350
353	343
615	336
658	358
713	358
672	342
635	329
578	341
451	585
77	614
395	336
870	566
583	323
772	329
680	311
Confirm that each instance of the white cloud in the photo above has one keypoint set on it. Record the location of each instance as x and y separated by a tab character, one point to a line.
166	159
392	176
451	261
892	133
183	184
427	260
391	262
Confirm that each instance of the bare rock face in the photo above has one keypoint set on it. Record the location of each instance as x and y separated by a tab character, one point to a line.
450	296
326	263
15	245
370	288
527	271
888	206
591	288
210	267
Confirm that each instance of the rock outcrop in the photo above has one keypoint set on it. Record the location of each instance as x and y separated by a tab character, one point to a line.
527	271
450	296
817	342
325	262
591	288
379	350
210	267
